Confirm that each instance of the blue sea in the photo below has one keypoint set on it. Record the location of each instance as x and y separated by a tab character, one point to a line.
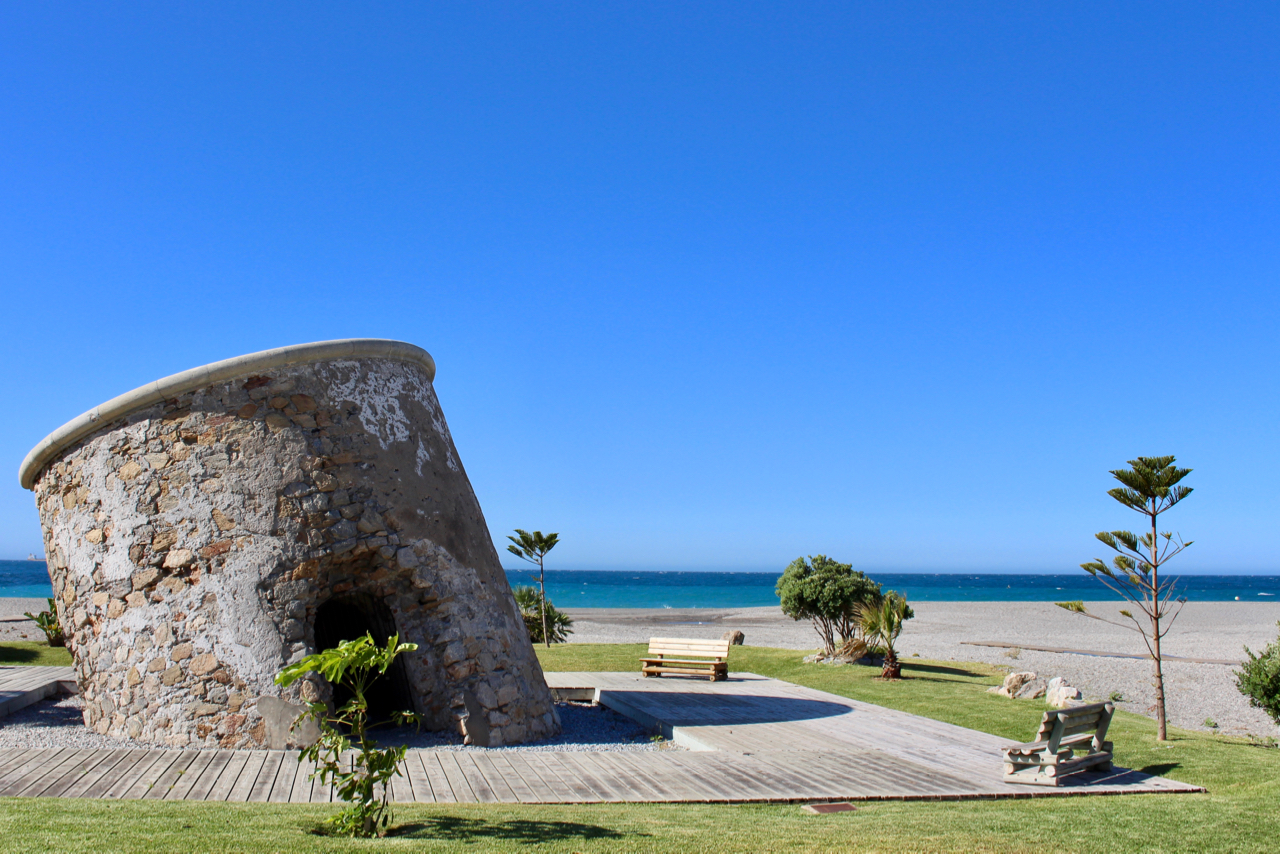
630	589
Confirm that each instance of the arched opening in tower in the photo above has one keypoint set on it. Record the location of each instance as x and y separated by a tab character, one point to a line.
347	618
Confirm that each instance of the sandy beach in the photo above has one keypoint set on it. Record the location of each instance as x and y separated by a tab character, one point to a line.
947	631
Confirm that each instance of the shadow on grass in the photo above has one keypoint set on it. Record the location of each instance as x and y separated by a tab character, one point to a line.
939	669
17	655
1159	770
518	830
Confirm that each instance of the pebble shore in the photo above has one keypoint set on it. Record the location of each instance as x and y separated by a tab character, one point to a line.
1195	693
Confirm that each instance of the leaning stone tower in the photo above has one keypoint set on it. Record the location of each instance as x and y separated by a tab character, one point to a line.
209	528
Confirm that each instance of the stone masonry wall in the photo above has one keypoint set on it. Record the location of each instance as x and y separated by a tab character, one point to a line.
191	543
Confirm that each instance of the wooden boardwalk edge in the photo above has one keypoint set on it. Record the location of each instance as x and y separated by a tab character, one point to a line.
758	740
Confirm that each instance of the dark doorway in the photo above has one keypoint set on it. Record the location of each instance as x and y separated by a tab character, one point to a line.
347	618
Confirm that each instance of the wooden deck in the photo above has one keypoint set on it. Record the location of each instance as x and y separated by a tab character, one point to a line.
21	686
751	739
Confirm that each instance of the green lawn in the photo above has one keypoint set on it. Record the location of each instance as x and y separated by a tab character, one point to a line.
1240	812
34	653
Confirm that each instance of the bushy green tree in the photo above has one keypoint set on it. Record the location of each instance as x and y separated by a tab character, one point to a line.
1259	679
533	608
828	594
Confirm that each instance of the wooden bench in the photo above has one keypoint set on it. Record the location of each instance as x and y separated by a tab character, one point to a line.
1051	756
687	657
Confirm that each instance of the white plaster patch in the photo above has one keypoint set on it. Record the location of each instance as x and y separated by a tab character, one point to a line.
424	456
378	393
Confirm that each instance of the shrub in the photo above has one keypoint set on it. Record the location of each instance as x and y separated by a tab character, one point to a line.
1259	679
881	624
829	594
363	781
559	624
47	622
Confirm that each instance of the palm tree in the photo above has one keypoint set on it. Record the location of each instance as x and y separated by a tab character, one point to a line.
533	548
881	624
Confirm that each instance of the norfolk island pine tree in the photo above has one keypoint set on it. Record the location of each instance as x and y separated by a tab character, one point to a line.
1150	487
533	548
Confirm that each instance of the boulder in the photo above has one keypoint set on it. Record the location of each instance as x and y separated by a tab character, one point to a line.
1060	696
1031	690
1013	683
734	637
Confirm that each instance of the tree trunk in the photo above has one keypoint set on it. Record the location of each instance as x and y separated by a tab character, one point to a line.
891	669
1161	732
542	603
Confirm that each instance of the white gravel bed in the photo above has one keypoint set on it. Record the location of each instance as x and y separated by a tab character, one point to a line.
58	722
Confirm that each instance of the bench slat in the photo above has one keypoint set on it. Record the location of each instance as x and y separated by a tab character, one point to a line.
689	644
1050	757
687	656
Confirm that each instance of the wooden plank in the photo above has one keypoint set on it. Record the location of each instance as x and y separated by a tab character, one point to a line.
494	776
146	768
441	789
70	771
626	767
401	787
266	776
417	776
539	789
321	792
230	775
12	759
190	776
565	789
458	784
593	779
242	790
106	784
31	759
475	779
172	775
301	791
203	786
40	774
558	771
515	782
282	787
87	785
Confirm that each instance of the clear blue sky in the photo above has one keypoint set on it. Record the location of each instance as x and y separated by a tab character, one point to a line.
709	285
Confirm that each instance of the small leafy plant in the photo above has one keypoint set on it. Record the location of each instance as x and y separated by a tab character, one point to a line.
1259	679
47	622
1210	723
557	623
363	779
1116	697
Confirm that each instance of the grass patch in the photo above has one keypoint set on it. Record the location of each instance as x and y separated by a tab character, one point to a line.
34	653
1238	813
